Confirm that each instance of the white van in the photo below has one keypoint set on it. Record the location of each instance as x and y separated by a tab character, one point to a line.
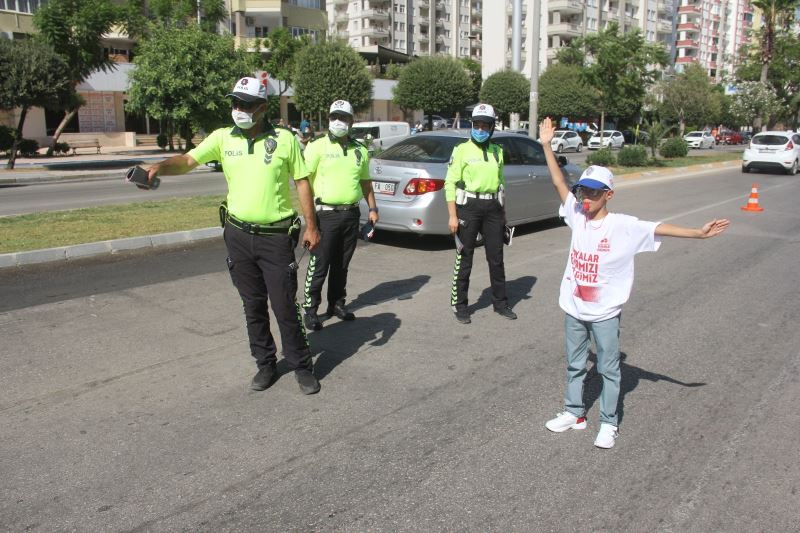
384	134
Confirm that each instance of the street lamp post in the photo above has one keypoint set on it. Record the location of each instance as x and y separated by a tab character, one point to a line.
533	57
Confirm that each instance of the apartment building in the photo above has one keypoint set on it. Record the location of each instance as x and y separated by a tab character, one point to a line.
412	27
561	21
711	33
249	20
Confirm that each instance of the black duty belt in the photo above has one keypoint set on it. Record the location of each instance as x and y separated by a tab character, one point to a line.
330	207
281	226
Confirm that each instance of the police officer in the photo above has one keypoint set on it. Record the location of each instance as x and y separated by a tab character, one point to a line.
261	227
339	168
474	193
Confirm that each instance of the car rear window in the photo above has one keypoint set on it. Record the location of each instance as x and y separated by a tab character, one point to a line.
359	132
770	140
694	134
423	149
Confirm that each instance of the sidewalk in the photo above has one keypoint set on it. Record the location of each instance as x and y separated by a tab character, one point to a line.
86	166
66	253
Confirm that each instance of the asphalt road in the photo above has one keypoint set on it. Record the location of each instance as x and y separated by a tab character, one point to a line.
124	403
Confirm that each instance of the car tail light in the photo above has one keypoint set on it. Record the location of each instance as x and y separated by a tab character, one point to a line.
789	146
422	185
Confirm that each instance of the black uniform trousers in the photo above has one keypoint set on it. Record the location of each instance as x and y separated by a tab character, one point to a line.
486	217
332	257
259	268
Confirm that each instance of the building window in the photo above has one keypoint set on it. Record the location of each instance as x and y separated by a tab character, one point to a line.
22	6
399	8
311	4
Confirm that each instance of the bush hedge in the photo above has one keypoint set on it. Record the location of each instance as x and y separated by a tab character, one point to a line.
28	148
675	147
6	138
161	140
632	156
603	158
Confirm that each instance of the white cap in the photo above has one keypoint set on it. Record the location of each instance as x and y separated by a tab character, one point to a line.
483	112
249	90
341	106
596	177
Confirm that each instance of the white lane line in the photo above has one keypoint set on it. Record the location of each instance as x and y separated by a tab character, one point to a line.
723	202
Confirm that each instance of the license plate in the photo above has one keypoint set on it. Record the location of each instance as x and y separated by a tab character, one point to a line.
765	151
383	187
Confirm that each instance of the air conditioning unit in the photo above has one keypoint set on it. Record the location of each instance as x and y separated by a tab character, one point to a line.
249	21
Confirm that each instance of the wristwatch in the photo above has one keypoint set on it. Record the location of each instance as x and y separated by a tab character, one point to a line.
373	209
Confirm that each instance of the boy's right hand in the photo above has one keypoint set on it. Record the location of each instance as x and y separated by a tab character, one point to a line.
546	132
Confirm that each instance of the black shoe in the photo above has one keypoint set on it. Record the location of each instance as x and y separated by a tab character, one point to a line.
506	312
264	378
308	383
311	320
462	315
341	312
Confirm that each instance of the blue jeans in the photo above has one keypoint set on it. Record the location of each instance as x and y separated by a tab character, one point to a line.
606	339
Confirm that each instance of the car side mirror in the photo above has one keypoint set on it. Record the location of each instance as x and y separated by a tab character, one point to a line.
562	161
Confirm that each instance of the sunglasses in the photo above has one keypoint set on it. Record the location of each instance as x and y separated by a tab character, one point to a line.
339	116
244	106
586	192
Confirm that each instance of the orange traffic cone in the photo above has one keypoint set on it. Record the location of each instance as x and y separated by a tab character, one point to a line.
752	202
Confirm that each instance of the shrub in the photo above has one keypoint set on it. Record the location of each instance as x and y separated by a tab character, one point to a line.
632	156
675	147
6	138
61	148
28	147
161	139
603	157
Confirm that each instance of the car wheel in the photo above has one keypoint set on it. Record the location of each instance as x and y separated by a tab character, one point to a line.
579	147
560	148
621	146
711	146
792	170
745	170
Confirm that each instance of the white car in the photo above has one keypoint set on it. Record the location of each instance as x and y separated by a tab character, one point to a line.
566	140
700	139
380	134
779	150
611	139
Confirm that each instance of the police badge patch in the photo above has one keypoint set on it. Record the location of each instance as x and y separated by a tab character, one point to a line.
450	163
270	145
358	157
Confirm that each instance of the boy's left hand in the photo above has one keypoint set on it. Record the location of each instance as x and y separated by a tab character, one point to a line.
714	228
546	131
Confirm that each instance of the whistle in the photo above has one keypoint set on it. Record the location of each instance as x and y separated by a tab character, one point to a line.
586	206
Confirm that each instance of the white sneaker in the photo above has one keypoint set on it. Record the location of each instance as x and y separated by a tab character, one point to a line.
606	436
564	421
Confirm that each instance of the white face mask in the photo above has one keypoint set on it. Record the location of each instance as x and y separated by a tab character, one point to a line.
243	119
338	128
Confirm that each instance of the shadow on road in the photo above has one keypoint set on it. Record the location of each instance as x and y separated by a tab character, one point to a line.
516	290
338	341
631	375
400	289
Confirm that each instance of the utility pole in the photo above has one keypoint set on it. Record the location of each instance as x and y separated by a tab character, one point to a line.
533	57
198	12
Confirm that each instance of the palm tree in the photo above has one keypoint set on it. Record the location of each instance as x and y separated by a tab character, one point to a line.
776	12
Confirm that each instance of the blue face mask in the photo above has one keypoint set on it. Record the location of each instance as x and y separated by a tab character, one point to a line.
480	136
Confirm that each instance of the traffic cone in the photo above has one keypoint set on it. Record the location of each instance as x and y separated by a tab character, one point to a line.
752	202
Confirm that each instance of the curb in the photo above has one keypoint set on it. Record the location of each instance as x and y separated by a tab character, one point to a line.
677	170
76	251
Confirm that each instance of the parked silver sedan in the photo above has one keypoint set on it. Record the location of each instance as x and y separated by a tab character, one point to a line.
408	180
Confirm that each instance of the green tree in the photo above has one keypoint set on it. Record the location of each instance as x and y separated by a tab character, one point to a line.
329	71
475	75
690	97
508	92
33	76
562	93
280	63
74	29
182	76
754	102
620	68
775	13
656	131
434	84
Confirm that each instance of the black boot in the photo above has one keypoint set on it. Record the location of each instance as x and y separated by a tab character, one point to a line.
307	381
340	311
311	320
265	377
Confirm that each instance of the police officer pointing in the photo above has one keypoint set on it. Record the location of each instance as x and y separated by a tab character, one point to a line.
474	193
339	168
261	227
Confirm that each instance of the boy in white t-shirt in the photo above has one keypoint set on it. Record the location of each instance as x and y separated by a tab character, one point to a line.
597	281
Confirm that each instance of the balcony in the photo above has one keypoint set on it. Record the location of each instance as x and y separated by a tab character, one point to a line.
339	2
423	4
440	39
440	23
661	6
566	6
689	9
688	26
477	27
664	26
376	32
424	38
564	28
375	14
423	21
687	43
341	16
685	60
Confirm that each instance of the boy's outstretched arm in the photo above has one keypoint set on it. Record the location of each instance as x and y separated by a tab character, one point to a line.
710	229
546	130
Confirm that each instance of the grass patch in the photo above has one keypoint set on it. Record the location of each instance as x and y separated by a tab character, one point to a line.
709	157
62	228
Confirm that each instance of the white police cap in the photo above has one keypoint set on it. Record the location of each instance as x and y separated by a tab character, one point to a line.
341	106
